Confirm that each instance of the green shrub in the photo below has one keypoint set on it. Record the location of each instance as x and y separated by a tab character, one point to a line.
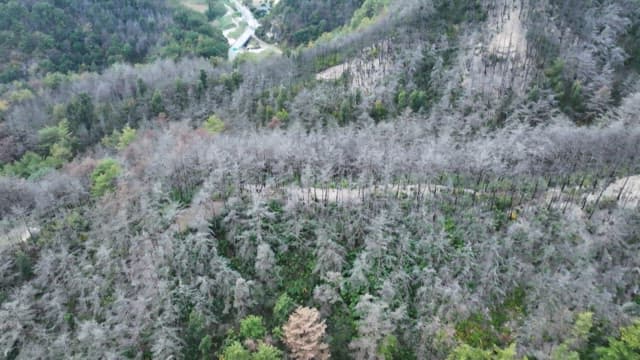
252	327
54	80
369	10
24	264
51	135
103	177
157	103
577	339
20	95
205	347
379	111
389	348
627	347
417	100
477	332
267	352
214	125
458	11
564	352
29	166
183	195
196	340
283	307
215	9
127	136
467	352
282	115
568	92
402	99
55	143
235	351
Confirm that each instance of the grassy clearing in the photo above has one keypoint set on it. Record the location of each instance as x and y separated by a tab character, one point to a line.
225	22
195	6
239	30
201	7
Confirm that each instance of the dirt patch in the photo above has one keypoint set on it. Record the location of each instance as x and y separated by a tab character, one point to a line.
494	63
510	40
332	73
364	72
18	234
625	191
201	8
197	216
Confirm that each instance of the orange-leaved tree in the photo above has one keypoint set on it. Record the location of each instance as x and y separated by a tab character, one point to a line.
303	334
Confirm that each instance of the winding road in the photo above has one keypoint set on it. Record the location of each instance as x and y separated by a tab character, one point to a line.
252	25
237	43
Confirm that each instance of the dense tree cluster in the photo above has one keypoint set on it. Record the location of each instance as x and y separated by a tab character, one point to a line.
277	219
299	22
37	37
191	34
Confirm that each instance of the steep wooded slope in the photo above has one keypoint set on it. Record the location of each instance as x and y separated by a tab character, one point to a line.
298	22
61	36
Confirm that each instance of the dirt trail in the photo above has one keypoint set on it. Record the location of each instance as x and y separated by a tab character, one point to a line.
625	192
297	194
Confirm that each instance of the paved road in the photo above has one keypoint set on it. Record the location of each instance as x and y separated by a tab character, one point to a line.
252	23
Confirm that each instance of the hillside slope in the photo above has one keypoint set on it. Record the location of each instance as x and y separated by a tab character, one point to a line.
61	36
299	22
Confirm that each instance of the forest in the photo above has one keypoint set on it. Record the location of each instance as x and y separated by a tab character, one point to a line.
298	22
62	36
409	179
